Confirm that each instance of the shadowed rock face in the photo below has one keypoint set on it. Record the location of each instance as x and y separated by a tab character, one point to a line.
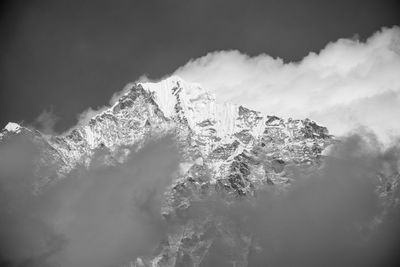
229	153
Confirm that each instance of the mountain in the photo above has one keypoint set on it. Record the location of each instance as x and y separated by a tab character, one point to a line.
228	152
214	131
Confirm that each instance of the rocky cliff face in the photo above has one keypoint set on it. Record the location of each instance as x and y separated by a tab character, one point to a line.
229	152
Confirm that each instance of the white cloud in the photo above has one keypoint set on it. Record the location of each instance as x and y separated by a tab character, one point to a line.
347	84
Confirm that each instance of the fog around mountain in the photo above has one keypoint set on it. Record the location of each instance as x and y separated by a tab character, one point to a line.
169	175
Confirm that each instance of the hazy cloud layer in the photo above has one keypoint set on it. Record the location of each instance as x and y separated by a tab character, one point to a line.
101	216
46	121
347	84
331	217
107	215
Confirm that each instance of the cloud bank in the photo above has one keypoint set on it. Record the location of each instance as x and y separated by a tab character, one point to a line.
349	83
331	217
98	217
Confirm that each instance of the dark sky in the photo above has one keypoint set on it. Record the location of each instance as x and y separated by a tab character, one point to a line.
67	56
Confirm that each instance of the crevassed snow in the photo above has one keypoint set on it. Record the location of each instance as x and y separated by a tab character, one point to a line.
204	115
197	104
163	94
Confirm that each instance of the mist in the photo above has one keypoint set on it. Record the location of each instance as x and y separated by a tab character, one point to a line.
98	216
326	217
346	213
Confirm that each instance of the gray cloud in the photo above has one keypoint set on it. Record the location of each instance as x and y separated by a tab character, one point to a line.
101	216
331	217
46	121
108	215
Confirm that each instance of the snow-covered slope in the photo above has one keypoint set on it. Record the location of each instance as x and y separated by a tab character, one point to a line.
191	102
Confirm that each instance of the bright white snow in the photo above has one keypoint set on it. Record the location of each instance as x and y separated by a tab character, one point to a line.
13	127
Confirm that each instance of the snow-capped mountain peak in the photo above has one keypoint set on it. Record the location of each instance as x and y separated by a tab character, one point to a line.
195	105
175	91
147	108
178	98
13	127
226	149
